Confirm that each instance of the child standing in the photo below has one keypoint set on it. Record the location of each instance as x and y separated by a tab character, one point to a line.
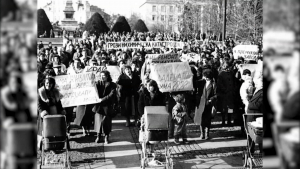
179	115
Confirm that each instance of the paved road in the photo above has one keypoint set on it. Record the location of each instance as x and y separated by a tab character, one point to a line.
223	150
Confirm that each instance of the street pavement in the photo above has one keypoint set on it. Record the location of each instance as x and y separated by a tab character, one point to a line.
223	150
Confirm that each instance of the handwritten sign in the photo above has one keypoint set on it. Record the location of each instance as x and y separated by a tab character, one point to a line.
254	68
113	70
162	58
77	89
190	57
172	77
248	52
145	44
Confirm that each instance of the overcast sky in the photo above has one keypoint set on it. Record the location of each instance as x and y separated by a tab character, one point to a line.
122	7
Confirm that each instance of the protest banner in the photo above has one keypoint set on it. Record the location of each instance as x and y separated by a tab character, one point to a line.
190	57
172	77
77	89
114	71
145	44
162	58
248	52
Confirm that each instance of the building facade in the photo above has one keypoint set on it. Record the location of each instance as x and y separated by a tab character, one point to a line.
55	10
163	15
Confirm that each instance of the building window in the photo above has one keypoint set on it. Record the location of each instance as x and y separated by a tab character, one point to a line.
163	9
171	9
153	17
153	8
171	18
163	18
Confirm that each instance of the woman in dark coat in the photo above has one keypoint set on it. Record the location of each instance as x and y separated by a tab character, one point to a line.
226	91
207	85
150	97
107	94
48	103
129	86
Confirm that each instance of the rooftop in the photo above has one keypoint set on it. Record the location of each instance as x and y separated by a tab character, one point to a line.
162	2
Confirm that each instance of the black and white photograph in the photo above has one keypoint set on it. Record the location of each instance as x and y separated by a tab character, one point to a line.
140	84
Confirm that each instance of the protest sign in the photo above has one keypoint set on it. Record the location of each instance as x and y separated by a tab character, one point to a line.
145	44
172	77
248	52
113	70
190	57
162	58
77	89
254	68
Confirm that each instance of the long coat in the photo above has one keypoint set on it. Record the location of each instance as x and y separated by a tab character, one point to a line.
211	94
106	92
226	89
128	89
145	99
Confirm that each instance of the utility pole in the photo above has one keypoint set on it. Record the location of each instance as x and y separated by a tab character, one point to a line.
224	20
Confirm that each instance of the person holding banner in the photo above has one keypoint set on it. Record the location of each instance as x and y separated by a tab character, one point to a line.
129	86
104	109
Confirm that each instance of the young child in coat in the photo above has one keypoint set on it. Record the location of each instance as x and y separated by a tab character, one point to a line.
247	88
179	116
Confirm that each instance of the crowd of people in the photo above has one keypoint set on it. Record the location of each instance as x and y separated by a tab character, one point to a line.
219	86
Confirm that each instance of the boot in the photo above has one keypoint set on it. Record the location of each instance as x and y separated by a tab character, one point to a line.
229	119
106	139
206	130
201	133
176	140
98	139
223	118
127	122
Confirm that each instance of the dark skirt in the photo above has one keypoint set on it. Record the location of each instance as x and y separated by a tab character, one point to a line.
206	116
102	123
129	107
84	115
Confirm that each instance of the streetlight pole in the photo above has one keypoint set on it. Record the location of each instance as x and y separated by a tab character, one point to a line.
224	20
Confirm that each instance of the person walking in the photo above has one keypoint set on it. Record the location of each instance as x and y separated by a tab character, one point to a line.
206	89
129	86
226	92
150	97
104	109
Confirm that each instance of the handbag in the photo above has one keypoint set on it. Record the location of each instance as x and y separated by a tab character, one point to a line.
213	112
115	109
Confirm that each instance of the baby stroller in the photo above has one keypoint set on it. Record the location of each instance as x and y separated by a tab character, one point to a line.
254	130
154	129
286	137
20	148
55	138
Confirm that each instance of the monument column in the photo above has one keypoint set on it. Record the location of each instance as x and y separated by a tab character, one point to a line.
69	23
